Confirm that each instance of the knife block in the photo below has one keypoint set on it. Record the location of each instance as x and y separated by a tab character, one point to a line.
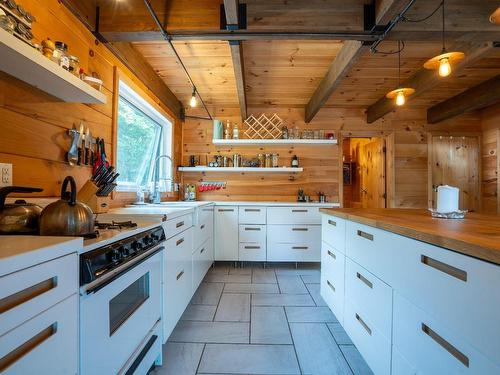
87	195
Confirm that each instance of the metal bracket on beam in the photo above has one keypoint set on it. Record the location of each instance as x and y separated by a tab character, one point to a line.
242	18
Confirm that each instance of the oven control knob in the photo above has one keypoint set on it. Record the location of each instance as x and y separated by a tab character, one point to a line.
154	237
114	255
136	246
123	251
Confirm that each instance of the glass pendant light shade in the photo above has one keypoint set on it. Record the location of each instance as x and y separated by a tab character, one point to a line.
193	101
400	95
495	16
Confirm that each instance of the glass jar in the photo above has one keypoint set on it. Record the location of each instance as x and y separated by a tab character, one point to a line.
275	159
60	55
269	161
262	160
74	65
6	22
321	134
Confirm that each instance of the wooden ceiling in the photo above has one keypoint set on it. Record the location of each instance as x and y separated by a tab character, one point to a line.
287	73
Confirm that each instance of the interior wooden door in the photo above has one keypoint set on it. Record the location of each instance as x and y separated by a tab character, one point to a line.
455	162
373	174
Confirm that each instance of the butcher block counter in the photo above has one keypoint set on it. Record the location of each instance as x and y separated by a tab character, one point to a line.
477	235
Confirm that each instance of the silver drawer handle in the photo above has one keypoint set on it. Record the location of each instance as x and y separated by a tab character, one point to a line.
202	250
180	274
258	229
299	210
208	209
330	285
300	229
29	293
202	226
365	326
179	224
252	247
300	247
443	267
252	209
446	345
226	210
10	358
331	222
332	254
368	236
179	242
364	280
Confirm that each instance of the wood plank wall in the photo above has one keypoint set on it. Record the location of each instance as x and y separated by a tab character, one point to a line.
490	161
33	125
407	128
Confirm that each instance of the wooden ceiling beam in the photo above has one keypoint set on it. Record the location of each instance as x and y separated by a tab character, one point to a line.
477	97
141	68
425	80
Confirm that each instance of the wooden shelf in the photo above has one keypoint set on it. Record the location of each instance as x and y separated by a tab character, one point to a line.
273	142
27	64
241	169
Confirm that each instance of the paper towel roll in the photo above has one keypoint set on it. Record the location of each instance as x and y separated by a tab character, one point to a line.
447	199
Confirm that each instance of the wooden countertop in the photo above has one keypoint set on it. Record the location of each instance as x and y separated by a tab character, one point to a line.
477	235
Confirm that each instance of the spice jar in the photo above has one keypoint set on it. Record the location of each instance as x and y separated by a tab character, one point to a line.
60	55
269	161
74	65
262	160
275	159
6	22
48	48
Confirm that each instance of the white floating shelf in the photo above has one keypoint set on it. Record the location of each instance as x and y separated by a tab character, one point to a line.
241	169
26	63
273	142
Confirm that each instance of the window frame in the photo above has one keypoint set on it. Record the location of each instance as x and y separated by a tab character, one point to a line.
130	95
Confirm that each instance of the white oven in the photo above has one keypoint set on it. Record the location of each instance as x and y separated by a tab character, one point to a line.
119	318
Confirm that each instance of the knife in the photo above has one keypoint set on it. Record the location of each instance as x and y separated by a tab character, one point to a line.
80	143
87	147
72	155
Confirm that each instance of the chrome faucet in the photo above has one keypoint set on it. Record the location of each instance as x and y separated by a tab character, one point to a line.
155	196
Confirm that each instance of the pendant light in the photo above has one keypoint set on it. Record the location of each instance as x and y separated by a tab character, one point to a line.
401	93
445	60
495	17
193	101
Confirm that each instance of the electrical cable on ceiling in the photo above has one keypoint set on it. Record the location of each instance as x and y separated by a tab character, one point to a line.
406	19
168	38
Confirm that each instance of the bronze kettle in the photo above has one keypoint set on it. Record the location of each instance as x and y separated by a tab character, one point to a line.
67	216
18	217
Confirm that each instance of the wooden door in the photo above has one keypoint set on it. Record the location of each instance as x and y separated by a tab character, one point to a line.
372	165
455	162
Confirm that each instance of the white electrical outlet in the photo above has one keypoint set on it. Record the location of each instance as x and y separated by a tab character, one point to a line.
5	174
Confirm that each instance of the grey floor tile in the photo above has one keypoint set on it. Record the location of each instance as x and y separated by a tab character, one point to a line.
223	278
282	300
310	315
314	290
251	288
269	326
301	270
199	312
241	271
207	294
340	335
291	284
219	268
233	308
249	359
211	332
317	351
311	279
180	359
264	276
355	360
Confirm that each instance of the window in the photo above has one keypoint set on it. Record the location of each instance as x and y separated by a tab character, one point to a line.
143	135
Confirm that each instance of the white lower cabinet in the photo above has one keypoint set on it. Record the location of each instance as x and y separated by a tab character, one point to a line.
226	233
252	245
332	279
293	243
202	260
400	365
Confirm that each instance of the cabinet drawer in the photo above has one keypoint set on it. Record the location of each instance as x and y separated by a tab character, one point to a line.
202	259
310	234
400	366
370	295
293	252
373	346
28	292
180	246
45	344
177	225
332	280
333	231
453	288
252	251
202	232
253	233
293	215
226	233
206	213
252	215
440	350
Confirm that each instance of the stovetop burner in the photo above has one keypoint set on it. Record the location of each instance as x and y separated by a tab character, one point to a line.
90	236
116	225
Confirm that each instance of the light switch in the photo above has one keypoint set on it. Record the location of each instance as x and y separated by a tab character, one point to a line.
5	174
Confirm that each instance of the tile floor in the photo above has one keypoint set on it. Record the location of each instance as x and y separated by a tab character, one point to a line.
253	320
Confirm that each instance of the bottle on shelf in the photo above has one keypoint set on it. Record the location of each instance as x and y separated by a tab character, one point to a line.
227	131
295	161
236	132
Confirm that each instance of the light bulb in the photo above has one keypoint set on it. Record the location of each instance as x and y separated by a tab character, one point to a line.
400	98
444	67
192	102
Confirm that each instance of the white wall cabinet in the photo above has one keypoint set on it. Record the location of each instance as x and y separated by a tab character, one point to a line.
226	233
400	294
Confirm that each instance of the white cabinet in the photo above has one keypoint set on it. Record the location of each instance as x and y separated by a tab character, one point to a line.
293	215
332	279
252	215
333	231
252	246
226	233
295	243
202	260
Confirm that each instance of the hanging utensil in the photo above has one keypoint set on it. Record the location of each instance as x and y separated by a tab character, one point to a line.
80	144
103	154
86	157
72	155
97	155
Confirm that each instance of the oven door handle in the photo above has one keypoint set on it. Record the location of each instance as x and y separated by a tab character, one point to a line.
113	275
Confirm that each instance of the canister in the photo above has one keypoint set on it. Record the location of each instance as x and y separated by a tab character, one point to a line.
218	129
